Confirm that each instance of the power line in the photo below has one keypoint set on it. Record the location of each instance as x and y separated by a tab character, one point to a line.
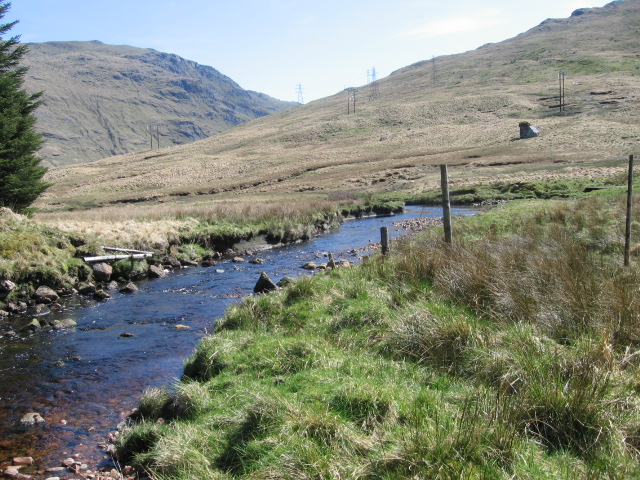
299	90
372	80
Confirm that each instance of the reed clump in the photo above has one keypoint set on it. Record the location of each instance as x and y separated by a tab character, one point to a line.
512	353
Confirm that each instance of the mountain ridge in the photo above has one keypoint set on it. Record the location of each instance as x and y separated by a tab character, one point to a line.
102	100
465	115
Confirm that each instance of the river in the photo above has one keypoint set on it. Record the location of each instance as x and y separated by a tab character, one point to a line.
84	381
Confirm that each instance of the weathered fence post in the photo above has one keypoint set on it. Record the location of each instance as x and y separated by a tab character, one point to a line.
627	233
446	205
384	239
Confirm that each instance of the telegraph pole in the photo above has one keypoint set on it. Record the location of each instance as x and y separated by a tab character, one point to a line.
351	99
561	92
157	134
433	72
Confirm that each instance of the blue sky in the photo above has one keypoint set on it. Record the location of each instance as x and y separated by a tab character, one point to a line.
271	46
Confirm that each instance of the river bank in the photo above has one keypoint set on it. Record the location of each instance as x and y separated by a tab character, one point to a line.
457	361
90	376
39	265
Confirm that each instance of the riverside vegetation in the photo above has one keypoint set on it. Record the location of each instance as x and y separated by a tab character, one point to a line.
512	353
49	251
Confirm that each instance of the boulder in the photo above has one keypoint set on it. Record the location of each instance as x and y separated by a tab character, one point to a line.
257	261
310	266
41	309
209	262
238	259
45	295
264	284
23	461
285	281
20	307
64	324
7	286
87	289
14	472
33	325
188	263
172	262
156	271
101	295
102	272
129	288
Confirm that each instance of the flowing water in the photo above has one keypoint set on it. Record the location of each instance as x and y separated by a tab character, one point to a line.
86	380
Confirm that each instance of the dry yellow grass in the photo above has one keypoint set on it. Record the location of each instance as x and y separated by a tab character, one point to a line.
467	117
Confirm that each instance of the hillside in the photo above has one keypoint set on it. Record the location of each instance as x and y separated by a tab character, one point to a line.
466	113
102	100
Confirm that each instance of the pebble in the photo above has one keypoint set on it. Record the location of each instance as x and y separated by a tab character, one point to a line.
13	472
32	418
55	469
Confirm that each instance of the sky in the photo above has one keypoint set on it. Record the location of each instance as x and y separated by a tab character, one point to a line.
277	46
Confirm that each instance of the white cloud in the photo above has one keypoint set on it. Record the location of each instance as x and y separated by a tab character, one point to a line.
464	24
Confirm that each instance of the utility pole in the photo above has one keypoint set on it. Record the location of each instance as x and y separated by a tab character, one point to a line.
157	134
561	93
351	99
434	78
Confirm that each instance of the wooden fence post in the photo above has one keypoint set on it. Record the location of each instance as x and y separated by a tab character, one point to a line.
627	233
446	205
384	239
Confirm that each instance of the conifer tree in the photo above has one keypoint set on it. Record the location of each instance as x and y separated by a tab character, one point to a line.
20	170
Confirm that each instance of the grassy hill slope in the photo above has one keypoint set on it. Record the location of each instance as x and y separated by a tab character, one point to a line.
101	100
466	114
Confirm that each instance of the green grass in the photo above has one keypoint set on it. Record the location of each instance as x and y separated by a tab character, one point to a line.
33	255
476	194
510	354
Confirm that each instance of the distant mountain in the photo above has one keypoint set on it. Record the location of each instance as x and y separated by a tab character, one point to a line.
463	110
103	100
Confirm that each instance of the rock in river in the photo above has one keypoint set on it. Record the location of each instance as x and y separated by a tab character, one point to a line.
264	284
156	271
32	418
129	288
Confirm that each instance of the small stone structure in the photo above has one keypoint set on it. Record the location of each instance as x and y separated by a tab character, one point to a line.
528	131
